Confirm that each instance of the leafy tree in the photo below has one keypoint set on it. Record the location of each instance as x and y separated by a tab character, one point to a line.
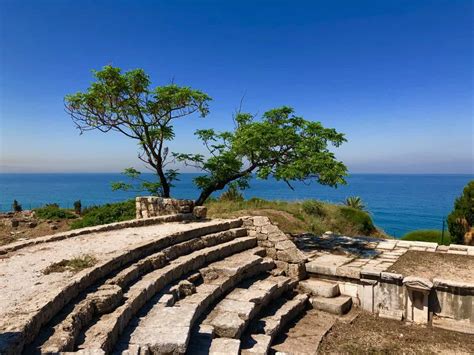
125	103
355	202
461	219
16	207
280	144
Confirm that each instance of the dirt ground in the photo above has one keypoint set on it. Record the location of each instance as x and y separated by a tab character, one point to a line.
10	234
368	334
430	265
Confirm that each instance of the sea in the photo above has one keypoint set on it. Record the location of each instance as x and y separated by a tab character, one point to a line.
397	203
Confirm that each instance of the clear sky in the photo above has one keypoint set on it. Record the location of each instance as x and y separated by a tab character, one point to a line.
395	76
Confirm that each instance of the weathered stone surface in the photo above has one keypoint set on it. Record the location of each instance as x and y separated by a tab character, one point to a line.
321	288
327	264
296	271
394	314
336	305
200	212
418	283
224	346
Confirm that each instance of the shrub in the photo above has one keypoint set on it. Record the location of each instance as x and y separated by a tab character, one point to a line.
232	194
109	213
16	207
78	206
428	235
53	211
355	202
313	208
461	219
360	219
75	265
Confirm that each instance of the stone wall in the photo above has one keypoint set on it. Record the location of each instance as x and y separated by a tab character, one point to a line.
289	260
152	206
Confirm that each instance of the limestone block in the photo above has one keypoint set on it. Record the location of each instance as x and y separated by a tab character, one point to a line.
291	255
200	212
296	271
417	299
336	305
394	314
224	346
321	288
327	264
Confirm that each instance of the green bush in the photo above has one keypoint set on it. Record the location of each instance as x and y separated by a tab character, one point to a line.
360	219
428	235
109	213
313	207
232	194
355	202
77	207
53	211
461	219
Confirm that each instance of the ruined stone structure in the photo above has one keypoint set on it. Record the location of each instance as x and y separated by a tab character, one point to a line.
176	283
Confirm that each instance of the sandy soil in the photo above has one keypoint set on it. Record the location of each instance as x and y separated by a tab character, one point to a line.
430	265
10	235
22	282
369	334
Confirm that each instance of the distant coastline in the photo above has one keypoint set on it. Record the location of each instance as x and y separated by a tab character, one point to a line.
398	203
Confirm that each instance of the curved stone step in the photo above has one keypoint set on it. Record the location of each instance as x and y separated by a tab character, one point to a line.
99	302
23	327
166	330
104	333
264	330
231	316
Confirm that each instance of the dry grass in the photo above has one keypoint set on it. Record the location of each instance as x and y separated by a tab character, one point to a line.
369	334
293	217
74	265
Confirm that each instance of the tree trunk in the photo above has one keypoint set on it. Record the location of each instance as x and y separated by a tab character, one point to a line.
164	183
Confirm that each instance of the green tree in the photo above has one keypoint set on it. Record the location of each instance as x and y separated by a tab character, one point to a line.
125	103
461	219
280	144
355	202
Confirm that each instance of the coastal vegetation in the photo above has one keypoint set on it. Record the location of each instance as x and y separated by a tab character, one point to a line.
355	202
298	217
53	211
278	144
461	219
429	235
108	213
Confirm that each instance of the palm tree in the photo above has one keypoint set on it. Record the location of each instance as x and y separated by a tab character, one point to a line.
355	202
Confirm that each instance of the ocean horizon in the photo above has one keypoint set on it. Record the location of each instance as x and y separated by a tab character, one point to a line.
398	203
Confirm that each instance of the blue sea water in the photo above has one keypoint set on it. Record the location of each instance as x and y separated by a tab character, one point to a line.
398	203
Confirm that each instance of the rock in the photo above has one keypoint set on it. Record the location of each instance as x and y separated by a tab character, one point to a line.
200	212
15	223
32	224
186	288
53	227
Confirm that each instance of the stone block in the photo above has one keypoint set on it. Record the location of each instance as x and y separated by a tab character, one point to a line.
327	264
394	314
296	271
224	346
319	288
200	212
337	305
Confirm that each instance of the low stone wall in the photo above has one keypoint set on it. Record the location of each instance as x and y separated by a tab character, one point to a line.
152	206
289	260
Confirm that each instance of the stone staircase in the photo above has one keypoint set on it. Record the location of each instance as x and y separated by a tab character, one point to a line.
215	287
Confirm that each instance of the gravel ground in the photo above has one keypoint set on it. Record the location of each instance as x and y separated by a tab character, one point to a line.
431	265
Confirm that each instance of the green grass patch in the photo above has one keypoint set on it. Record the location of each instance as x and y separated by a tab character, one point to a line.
108	213
75	265
429	235
53	211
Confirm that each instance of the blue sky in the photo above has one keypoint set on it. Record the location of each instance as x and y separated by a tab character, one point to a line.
395	76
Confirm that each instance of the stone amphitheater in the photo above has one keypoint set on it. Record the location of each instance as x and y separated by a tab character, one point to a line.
173	282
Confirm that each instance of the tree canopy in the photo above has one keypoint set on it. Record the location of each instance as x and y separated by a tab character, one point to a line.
280	144
461	219
126	103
